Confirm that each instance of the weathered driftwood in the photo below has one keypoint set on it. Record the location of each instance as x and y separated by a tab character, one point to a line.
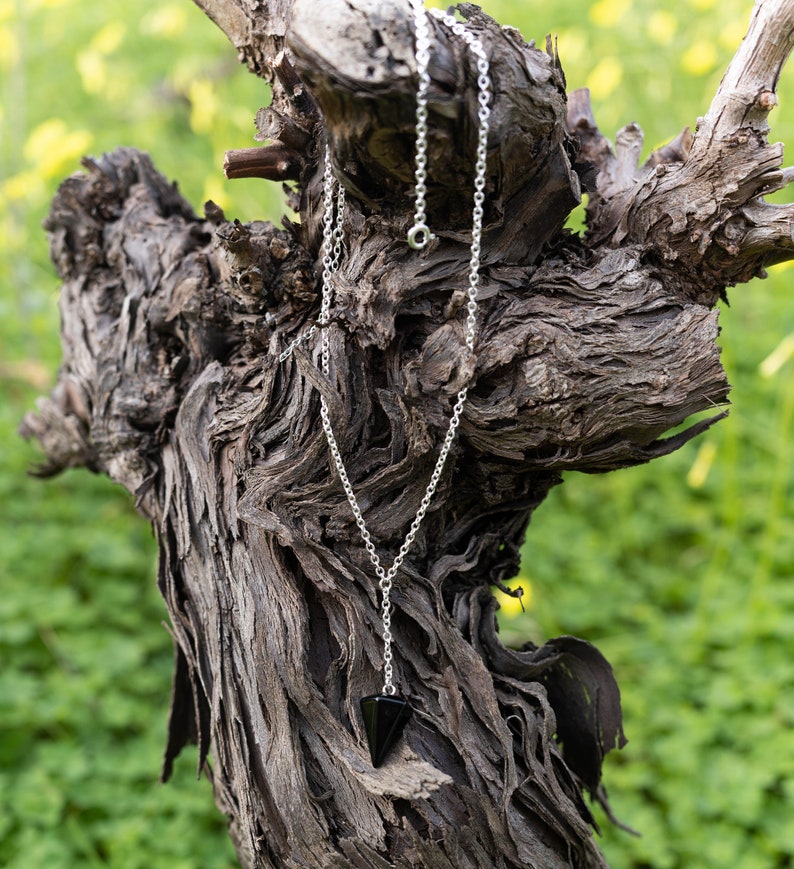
588	351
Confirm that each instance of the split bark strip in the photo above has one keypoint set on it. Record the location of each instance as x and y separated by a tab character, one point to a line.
588	352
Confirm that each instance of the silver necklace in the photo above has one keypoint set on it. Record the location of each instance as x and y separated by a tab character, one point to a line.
385	714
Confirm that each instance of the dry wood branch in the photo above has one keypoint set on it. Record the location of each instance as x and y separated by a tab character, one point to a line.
588	352
256	28
746	93
690	212
273	164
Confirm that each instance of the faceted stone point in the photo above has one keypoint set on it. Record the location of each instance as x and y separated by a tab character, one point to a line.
385	717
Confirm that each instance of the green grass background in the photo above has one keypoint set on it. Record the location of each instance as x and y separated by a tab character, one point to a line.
679	571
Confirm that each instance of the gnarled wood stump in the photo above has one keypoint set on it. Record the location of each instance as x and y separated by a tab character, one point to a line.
588	351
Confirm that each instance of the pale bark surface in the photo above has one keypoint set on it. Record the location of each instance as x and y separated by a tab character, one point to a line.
588	351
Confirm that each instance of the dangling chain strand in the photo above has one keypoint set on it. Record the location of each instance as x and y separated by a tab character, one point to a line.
332	251
418	237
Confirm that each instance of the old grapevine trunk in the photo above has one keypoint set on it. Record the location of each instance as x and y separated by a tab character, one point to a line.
588	351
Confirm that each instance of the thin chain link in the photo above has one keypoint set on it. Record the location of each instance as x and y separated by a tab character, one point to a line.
418	237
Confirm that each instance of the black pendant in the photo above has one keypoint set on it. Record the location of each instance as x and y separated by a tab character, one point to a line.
385	717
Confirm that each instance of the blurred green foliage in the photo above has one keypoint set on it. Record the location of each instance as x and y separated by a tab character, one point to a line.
679	571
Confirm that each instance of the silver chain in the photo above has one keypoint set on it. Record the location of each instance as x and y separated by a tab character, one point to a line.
332	250
418	237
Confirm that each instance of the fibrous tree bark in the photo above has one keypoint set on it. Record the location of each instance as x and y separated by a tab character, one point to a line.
589	350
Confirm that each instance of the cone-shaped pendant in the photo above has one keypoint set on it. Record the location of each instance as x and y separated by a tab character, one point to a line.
385	717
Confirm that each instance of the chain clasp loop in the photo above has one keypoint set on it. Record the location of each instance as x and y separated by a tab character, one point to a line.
419	235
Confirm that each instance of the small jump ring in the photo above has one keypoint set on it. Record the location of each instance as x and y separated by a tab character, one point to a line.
419	236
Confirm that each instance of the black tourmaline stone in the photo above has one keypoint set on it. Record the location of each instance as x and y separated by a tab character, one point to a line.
384	719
